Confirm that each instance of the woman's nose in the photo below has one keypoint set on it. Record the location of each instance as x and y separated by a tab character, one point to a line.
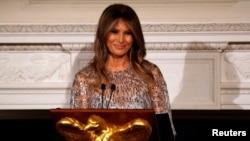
121	38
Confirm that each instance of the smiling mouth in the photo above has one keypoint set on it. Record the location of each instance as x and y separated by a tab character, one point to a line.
120	46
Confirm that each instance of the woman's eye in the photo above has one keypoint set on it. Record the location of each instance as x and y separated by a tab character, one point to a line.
114	31
128	33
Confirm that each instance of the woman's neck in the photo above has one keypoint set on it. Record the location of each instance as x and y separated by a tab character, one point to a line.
117	64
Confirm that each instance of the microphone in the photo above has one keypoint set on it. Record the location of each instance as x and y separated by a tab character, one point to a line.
103	87
111	93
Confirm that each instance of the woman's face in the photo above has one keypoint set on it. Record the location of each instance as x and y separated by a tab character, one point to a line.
119	39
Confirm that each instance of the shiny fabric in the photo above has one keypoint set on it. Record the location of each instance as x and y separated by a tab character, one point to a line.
131	92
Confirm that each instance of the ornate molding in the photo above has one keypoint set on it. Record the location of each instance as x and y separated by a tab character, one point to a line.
235	91
31	47
83	28
49	28
238	46
221	46
199	27
186	46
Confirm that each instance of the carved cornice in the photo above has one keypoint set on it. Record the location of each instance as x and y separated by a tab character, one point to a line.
186	46
43	28
238	46
31	47
207	27
235	91
150	46
83	28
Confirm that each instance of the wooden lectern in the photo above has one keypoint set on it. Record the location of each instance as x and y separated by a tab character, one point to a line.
107	124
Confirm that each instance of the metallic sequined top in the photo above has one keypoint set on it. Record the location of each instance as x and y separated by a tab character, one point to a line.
131	92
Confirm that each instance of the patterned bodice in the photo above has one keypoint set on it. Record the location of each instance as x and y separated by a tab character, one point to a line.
131	92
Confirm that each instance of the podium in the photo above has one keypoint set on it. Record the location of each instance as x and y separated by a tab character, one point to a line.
105	124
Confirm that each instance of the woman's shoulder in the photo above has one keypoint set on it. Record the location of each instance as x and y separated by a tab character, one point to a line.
85	74
86	70
152	67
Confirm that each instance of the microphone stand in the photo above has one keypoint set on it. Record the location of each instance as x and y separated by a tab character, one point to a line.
103	87
111	93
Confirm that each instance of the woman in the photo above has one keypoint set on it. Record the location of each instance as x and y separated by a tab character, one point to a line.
118	76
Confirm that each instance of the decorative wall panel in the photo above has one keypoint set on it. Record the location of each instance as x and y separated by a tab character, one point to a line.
192	77
235	68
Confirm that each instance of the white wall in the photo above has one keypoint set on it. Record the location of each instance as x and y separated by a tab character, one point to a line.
156	11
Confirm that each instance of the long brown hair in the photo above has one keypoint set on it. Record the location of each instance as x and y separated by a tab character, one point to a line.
136	54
